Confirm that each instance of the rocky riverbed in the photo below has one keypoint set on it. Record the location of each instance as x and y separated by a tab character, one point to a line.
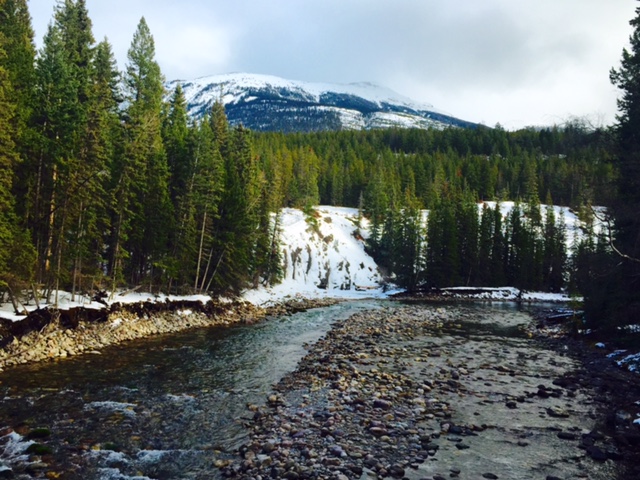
423	392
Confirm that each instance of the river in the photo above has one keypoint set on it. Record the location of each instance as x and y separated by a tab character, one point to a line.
161	407
170	407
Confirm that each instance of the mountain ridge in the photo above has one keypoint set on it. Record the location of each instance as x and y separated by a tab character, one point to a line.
270	103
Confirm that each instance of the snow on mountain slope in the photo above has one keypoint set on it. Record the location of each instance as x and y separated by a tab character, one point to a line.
264	102
236	87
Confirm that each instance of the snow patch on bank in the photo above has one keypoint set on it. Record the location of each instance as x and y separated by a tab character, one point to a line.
67	301
507	294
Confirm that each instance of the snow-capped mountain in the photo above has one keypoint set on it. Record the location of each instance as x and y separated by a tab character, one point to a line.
268	103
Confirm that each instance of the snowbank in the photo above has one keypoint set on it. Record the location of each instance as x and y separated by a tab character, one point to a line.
66	301
323	256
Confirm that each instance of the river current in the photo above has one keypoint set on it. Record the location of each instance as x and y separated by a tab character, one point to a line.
161	407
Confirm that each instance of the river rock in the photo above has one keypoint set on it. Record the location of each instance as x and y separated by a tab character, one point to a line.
567	436
596	454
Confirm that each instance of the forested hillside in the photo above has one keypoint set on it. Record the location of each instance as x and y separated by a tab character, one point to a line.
105	185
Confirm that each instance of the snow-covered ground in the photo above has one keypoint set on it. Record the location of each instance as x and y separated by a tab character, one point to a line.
66	301
324	257
509	293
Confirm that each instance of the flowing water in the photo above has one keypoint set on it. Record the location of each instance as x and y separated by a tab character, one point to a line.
169	407
162	407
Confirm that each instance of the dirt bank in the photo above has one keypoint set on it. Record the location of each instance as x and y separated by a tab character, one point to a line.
48	334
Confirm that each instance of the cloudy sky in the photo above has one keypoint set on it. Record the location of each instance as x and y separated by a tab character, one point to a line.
513	62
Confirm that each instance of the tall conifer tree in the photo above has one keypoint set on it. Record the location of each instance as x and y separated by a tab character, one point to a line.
622	305
15	251
146	210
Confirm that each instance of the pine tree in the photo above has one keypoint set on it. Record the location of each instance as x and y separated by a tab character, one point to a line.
518	250
63	73
146	208
16	255
177	140
555	253
485	246
467	227
409	263
237	226
443	254
207	184
19	64
376	203
175	134
17	74
623	303
101	146
498	249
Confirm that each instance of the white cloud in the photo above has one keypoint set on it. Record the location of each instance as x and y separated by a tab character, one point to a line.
193	50
516	62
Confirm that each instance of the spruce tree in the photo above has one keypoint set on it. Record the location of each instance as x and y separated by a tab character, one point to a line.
175	134
17	76
16	256
622	304
498	249
54	175
409	262
19	64
237	225
555	251
467	226
144	176
101	146
207	184
485	246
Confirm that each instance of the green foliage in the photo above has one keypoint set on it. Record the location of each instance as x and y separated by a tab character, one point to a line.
148	211
622	306
16	252
37	433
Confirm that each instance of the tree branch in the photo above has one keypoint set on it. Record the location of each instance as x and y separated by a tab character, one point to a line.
607	220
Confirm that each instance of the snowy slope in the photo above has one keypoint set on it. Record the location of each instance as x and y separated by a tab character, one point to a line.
264	102
323	257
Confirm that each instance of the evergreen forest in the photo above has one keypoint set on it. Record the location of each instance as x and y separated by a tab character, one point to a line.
107	183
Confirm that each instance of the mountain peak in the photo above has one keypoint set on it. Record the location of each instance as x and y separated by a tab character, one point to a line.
270	103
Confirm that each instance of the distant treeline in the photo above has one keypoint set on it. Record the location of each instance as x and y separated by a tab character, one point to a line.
570	165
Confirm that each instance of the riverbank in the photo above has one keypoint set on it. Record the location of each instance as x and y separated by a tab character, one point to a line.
50	334
78	327
434	393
